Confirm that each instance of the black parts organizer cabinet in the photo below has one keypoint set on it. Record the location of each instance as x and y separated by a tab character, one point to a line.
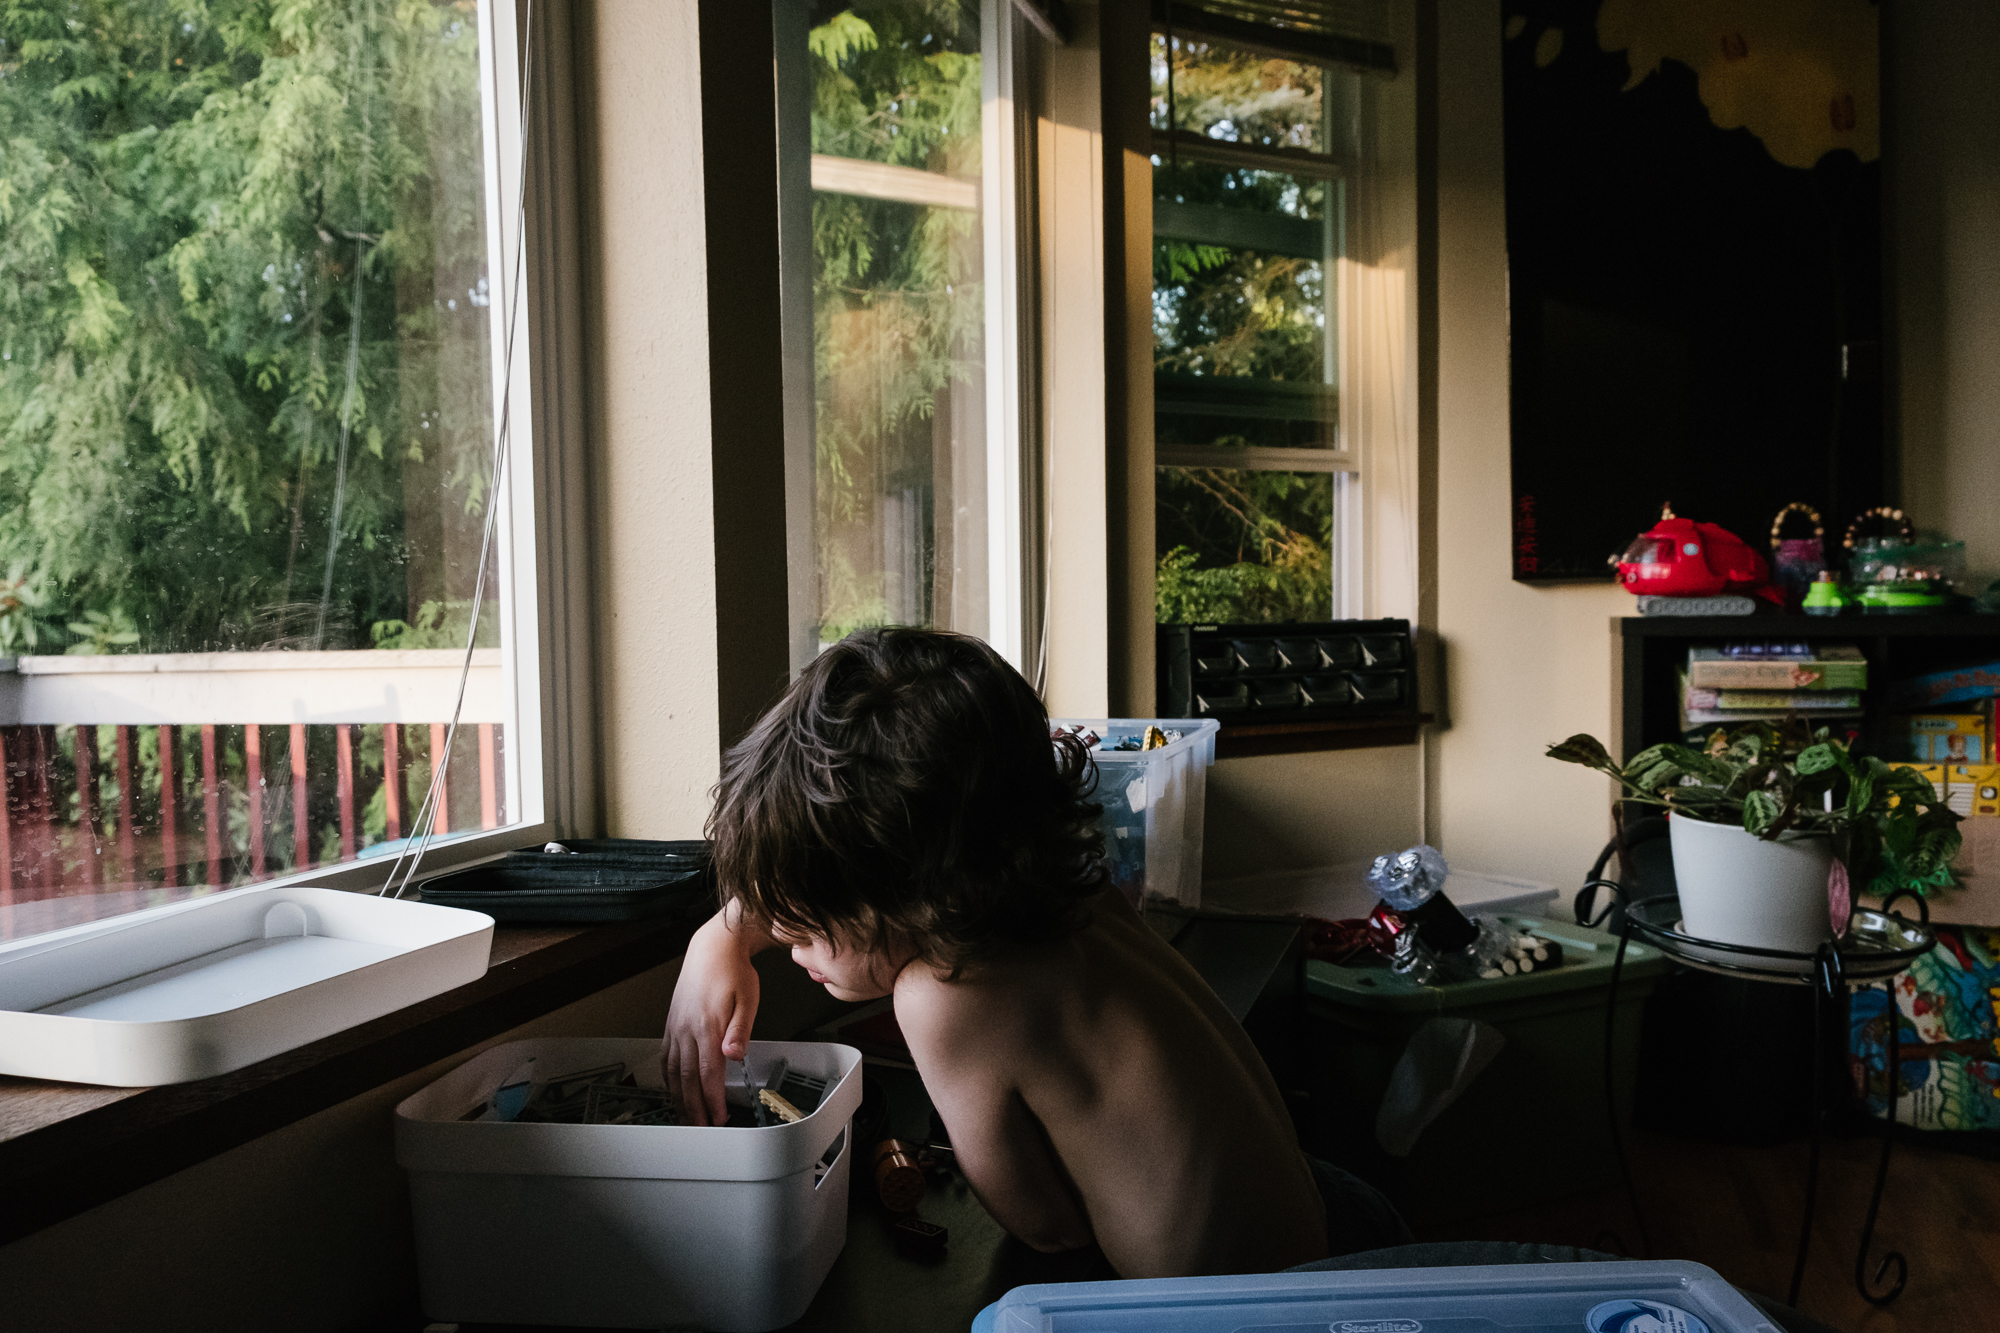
1298	671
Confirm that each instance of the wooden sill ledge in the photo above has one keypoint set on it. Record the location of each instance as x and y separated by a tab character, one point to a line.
67	1147
1237	741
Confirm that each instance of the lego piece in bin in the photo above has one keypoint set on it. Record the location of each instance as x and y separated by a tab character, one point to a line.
802	1091
512	1097
779	1107
611	1104
1155	738
565	1100
918	1239
567	1086
1087	735
742	1081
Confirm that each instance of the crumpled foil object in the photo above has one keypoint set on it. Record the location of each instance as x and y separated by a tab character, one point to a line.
1407	880
1338	941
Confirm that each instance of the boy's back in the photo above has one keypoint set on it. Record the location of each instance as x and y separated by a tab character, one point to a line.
1100	1069
905	822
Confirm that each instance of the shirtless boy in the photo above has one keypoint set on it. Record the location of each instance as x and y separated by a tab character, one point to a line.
903	822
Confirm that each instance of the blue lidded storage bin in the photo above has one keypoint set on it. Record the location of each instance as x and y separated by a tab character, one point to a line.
1628	1296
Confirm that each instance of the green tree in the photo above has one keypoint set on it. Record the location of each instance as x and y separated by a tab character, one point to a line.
244	395
897	293
1243	546
1235	544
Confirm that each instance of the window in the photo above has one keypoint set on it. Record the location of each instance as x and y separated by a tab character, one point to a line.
894	195
256	331
1255	163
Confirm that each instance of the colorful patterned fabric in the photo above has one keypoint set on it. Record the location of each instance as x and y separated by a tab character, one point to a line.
1948	1024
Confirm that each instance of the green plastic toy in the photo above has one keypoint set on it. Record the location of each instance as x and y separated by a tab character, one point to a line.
1827	596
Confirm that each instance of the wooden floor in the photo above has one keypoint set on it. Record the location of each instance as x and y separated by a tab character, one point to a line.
1737	1210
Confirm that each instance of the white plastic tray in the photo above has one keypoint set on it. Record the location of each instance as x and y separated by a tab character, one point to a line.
223	982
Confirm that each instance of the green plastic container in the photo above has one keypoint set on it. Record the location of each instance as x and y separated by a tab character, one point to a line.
1532	1126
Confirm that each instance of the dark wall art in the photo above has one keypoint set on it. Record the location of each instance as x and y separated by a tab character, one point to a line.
1695	275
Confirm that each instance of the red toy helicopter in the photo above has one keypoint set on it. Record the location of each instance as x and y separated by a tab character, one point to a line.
1679	557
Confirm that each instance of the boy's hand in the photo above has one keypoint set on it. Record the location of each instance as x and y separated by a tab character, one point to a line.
714	1005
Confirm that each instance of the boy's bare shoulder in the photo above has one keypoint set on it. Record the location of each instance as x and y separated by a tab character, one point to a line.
986	1003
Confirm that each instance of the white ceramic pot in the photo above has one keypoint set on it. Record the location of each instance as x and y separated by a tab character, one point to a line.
1741	889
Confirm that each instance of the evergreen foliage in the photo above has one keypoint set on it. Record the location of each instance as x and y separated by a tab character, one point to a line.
1236	544
898	303
244	249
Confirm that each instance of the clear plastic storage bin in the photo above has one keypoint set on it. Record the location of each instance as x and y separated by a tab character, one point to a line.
1658	1296
1153	803
624	1226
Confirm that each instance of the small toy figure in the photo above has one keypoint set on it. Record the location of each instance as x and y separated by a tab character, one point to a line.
1797	561
1827	596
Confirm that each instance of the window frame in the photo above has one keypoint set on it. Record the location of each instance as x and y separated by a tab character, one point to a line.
1345	461
541	559
1007	235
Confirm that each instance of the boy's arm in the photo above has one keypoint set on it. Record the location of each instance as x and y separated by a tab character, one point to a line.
714	1005
999	1143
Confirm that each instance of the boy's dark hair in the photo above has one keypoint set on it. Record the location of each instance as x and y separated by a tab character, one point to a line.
907	789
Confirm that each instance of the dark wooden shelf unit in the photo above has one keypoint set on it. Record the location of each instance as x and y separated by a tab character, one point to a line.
1648	651
1237	740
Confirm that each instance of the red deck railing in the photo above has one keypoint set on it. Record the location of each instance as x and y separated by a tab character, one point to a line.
134	823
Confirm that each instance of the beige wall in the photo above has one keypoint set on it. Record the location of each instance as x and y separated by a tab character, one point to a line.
1294	811
1531	665
1524	666
1942	144
652	485
1070	186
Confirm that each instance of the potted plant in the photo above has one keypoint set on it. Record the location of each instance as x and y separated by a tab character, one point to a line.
1773	826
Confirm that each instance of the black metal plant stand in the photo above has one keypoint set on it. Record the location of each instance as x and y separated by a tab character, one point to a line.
1877	947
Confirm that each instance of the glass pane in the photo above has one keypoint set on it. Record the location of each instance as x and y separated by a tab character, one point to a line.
899	411
1240	545
1245	341
1211	185
246	381
1222	93
1241	349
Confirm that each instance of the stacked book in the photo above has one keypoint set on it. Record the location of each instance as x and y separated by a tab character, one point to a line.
1752	682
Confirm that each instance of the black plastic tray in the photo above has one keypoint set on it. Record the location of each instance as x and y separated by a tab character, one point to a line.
598	879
